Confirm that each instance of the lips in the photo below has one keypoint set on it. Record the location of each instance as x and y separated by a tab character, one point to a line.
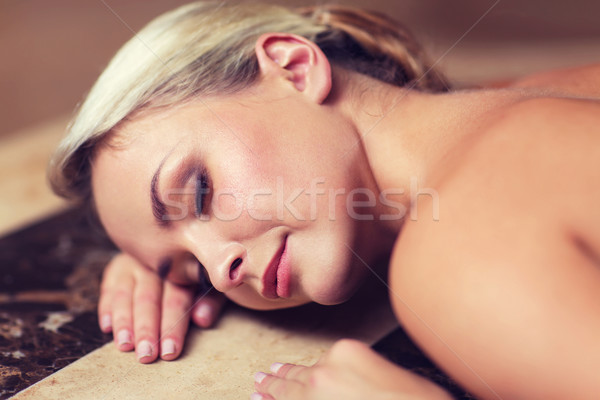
276	278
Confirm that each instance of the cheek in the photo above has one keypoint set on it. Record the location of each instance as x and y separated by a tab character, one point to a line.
238	180
227	203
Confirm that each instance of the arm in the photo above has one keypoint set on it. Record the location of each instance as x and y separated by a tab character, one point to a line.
497	292
524	327
148	314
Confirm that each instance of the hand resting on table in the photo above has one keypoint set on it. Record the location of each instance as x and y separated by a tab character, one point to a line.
149	314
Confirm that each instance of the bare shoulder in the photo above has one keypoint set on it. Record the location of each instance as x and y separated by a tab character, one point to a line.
544	157
575	81
540	145
489	277
539	138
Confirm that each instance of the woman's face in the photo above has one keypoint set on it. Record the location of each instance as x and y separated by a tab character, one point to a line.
239	184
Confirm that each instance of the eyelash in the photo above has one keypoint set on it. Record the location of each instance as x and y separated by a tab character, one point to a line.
202	188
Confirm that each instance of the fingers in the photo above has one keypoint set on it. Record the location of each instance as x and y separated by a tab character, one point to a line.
147	301
121	313
105	302
287	381
290	371
142	310
350	369
271	386
115	303
207	308
176	304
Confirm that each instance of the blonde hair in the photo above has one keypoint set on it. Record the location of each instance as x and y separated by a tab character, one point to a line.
207	48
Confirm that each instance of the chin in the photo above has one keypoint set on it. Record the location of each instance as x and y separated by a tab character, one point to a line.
334	282
332	299
340	292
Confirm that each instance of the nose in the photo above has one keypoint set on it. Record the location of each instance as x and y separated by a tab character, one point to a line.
227	269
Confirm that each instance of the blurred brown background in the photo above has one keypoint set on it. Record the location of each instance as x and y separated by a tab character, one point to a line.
53	50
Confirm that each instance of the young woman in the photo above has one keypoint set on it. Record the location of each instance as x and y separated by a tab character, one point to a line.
278	153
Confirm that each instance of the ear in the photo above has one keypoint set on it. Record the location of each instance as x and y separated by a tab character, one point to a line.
296	59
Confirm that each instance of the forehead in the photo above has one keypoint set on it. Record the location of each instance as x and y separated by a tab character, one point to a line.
123	167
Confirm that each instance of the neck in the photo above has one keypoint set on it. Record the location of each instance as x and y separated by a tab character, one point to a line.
415	139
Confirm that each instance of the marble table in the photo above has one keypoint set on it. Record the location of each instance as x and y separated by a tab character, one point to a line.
49	277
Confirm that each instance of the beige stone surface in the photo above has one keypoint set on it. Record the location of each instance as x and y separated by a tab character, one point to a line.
219	363
24	192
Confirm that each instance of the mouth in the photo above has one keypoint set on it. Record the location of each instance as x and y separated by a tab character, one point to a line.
276	280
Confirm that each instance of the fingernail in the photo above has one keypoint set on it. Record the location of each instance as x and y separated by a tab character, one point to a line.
204	313
106	322
168	347
123	337
259	376
144	349
256	396
275	367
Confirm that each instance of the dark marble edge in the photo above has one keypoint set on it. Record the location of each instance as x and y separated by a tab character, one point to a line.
398	347
49	279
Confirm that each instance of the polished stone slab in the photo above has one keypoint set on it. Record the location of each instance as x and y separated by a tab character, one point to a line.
49	276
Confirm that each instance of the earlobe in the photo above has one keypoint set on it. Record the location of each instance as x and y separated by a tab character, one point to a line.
297	60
